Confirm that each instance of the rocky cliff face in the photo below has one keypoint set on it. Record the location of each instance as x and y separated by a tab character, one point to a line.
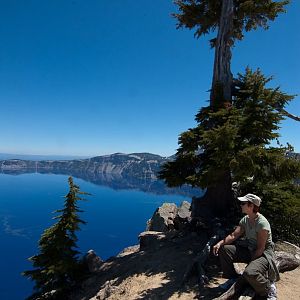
138	165
118	171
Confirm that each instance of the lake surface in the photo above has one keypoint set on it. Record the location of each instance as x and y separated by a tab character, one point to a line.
115	218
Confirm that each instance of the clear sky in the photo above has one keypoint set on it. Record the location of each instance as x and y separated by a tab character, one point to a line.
93	77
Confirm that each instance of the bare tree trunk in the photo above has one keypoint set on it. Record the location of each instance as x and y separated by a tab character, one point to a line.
222	72
218	199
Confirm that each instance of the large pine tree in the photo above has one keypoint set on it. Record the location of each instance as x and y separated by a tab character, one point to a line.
56	266
229	19
240	139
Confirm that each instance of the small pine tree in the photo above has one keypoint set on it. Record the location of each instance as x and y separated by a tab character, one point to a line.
57	266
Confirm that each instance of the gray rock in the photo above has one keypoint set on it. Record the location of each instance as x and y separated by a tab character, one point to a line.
129	250
151	239
106	290
184	211
92	261
286	261
163	218
49	295
183	217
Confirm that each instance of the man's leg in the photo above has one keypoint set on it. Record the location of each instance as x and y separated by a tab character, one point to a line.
230	254
256	275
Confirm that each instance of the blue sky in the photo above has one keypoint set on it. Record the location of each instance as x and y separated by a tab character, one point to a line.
99	76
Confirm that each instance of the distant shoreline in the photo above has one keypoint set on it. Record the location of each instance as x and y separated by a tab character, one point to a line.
8	156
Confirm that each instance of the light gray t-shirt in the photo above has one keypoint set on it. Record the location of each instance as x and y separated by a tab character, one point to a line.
251	230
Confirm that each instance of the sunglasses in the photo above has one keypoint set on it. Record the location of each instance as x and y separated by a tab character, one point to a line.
243	203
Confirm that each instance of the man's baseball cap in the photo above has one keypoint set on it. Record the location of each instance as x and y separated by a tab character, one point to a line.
251	198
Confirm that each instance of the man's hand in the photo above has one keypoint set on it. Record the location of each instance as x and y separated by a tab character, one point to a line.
239	231
216	248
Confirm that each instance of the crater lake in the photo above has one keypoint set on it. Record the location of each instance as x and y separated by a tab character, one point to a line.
114	217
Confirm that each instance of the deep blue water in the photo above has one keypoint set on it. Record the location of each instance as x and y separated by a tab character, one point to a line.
115	218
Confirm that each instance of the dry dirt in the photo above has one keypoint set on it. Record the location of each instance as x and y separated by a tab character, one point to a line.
289	285
157	272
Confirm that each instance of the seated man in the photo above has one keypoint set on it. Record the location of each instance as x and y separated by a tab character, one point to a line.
258	250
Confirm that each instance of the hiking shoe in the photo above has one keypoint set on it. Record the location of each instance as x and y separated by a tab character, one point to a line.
272	293
227	284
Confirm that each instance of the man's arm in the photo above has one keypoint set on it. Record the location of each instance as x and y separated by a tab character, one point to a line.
239	231
262	237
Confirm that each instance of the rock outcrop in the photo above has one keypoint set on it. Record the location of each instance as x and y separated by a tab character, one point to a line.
169	217
163	218
157	267
157	271
92	261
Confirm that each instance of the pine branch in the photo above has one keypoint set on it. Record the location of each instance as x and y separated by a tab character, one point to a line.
289	115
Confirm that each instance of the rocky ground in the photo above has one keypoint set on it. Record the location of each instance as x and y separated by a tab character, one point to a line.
156	271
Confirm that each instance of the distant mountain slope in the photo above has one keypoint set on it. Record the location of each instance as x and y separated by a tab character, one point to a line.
138	165
134	165
119	171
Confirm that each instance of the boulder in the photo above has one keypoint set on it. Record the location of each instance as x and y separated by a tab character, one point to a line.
163	218
151	239
183	217
92	261
184	211
287	256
